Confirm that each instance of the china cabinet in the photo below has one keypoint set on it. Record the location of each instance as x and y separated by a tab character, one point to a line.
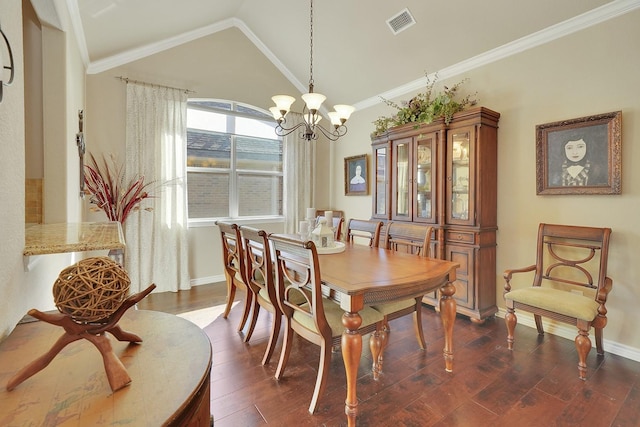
446	175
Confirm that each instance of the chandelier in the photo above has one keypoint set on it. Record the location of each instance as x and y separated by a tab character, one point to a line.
310	127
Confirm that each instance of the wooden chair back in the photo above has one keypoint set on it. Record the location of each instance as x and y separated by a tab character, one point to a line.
232	251
571	255
364	229
298	274
259	264
411	238
234	268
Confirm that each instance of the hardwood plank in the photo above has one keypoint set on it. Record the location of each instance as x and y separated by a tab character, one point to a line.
535	384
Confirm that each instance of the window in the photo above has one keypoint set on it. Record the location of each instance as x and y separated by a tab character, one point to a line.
234	161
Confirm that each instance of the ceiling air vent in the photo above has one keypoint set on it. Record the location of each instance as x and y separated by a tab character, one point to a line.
401	21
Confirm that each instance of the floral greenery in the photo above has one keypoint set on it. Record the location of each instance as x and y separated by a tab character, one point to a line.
425	107
105	183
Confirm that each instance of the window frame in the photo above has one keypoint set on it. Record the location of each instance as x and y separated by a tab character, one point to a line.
232	171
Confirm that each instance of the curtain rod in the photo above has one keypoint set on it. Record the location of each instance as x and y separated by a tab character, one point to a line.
128	80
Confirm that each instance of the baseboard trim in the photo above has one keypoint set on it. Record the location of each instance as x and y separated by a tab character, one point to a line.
207	280
565	331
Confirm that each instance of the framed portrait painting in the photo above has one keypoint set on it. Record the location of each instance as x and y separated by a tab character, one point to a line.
580	156
356	176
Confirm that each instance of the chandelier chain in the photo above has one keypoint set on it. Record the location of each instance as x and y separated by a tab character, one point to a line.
311	46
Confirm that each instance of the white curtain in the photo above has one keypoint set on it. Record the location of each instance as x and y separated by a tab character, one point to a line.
156	240
299	175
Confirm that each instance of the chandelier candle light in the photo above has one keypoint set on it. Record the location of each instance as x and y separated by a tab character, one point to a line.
313	101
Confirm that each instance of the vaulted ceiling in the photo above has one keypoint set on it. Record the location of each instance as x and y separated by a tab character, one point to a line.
356	56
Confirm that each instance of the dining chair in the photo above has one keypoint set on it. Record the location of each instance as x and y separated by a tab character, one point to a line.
363	230
318	319
412	238
261	284
569	284
234	269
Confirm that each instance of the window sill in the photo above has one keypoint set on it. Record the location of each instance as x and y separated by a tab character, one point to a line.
210	222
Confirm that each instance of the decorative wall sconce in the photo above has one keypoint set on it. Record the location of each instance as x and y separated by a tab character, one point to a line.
6	67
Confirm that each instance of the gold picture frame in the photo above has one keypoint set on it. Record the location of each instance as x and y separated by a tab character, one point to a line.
356	175
580	156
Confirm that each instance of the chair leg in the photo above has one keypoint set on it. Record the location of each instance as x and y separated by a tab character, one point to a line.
583	345
375	345
417	324
273	338
599	346
247	309
286	350
384	333
510	320
255	310
539	326
231	295
323	373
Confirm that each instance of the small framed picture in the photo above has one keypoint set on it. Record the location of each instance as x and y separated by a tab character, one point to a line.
356	176
580	156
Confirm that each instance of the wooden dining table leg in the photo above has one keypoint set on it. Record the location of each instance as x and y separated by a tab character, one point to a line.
448	316
351	352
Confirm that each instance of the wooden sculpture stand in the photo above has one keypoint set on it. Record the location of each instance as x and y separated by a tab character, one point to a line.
93	332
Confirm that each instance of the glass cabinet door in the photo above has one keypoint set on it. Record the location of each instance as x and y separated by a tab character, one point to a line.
460	176
424	203
381	186
401	192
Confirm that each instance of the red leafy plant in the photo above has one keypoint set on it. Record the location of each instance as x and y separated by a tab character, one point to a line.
111	192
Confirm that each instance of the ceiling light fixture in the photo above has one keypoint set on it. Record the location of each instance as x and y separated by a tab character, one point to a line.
313	101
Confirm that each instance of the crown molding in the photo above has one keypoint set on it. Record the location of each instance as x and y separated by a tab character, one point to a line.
598	15
588	19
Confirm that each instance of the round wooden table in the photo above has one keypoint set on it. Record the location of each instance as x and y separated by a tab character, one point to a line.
170	376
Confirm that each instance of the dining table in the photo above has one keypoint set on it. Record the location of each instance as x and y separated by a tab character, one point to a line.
361	276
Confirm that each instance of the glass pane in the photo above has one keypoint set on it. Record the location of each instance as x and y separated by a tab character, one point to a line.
460	176
402	189
206	120
256	128
258	154
208	195
208	149
423	178
381	181
259	195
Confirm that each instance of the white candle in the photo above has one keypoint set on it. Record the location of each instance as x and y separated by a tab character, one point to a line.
329	217
311	213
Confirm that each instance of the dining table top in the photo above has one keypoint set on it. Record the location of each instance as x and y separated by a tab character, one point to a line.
375	275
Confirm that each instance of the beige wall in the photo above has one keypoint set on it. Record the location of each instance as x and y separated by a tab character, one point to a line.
590	72
62	94
12	175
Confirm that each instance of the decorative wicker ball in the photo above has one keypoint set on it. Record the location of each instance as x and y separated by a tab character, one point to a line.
91	290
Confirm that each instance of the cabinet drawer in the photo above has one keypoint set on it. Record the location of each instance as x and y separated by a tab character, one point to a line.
459	236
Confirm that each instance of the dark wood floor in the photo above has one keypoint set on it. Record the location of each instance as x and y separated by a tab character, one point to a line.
535	385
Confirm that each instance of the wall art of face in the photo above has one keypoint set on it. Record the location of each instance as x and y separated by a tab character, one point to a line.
575	150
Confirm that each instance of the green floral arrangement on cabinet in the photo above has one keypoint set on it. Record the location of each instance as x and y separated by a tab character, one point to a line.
426	106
